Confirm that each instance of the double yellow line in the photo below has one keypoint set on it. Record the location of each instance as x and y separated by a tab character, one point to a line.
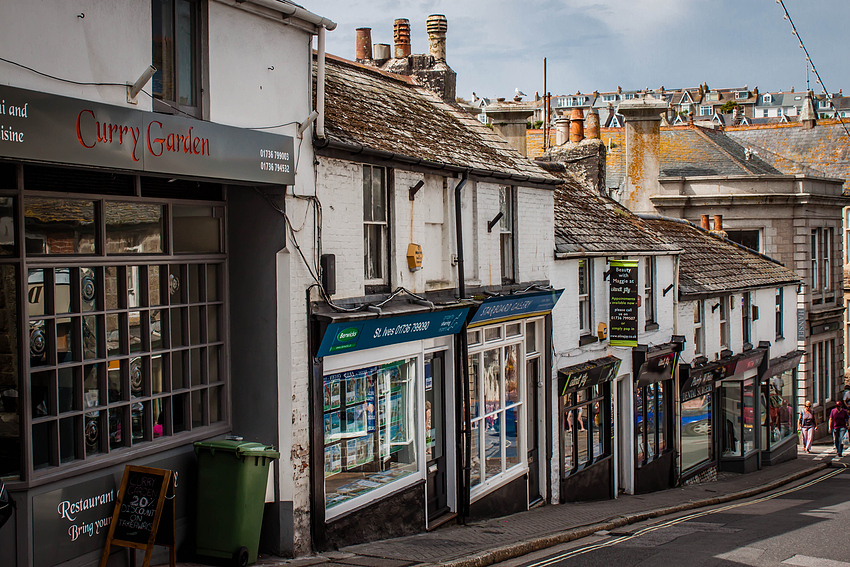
667	524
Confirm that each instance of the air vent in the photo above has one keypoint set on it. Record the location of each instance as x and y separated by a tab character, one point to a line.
40	178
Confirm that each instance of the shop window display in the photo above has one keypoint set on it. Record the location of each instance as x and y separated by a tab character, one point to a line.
584	439
777	413
697	444
370	429
651	428
123	351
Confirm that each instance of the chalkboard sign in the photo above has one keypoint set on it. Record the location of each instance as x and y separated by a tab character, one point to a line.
144	513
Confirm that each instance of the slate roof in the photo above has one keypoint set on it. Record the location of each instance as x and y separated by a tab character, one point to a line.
368	107
687	151
712	265
588	223
823	150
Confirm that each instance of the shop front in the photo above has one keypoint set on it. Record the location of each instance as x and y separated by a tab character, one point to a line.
383	399
739	407
698	417
654	461
508	341
778	414
586	410
114	310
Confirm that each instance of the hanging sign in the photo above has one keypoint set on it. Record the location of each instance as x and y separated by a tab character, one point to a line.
506	307
700	381
587	375
371	333
51	128
657	368
623	303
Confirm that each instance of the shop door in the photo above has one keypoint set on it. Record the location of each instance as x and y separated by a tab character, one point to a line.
435	434
531	429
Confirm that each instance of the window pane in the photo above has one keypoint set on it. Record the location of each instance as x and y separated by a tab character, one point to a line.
639	426
138	413
474	385
59	226
155	281
67	339
41	392
475	454
749	430
162	15
651	417
88	289
583	449
35	292
696	431
43	444
68	390
569	421
511	375
492	382
373	256
367	193
117	427
159	418
116	381
62	293
732	419
493	445
185	52
197	409
7	228
596	429
92	384
197	228
111	287
216	404
379	198
133	228
93	432
512	456
157	379
41	344
662	429
212	283
365	450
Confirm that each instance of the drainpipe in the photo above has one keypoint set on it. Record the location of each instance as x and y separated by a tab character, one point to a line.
462	410
320	85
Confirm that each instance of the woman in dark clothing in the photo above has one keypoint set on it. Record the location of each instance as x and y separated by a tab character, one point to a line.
838	425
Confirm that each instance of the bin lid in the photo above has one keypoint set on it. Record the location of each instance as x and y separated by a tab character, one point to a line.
241	448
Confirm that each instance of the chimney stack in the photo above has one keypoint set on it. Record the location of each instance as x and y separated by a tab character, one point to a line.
562	130
577	125
718	227
643	144
437	26
401	35
592	130
363	49
703	222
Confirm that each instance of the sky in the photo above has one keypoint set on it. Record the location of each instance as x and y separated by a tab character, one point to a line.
496	46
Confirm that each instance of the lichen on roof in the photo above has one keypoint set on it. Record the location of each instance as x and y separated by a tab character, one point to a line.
382	111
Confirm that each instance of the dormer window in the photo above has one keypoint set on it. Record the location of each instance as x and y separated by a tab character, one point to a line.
766	99
741	95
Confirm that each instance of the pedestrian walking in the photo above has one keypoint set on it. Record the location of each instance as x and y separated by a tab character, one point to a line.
838	425
806	425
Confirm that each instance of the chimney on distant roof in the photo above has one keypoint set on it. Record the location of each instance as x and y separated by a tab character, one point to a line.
718	227
363	49
703	222
401	35
808	116
436	25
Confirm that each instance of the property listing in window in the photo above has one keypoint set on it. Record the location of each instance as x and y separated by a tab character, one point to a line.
369	429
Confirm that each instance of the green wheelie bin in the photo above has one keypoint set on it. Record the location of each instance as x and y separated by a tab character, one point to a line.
232	477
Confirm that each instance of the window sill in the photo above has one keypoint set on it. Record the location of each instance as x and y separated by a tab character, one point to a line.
587	339
651	326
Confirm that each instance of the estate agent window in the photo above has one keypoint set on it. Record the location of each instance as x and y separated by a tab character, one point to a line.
176	55
375	233
126	323
497	391
370	430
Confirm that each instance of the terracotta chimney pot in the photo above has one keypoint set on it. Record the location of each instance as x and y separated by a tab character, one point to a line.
592	130
401	34
363	49
703	222
577	125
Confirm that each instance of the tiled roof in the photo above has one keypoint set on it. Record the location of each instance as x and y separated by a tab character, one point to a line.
823	150
588	223
711	265
386	112
688	152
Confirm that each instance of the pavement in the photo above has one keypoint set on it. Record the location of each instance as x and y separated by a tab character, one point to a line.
486	542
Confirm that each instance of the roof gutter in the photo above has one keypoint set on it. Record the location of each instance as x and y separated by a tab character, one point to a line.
294	11
360	149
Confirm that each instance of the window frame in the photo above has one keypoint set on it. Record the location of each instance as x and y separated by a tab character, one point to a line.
725	334
168	106
780	310
585	300
699	327
206	419
746	317
507	233
380	260
649	276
